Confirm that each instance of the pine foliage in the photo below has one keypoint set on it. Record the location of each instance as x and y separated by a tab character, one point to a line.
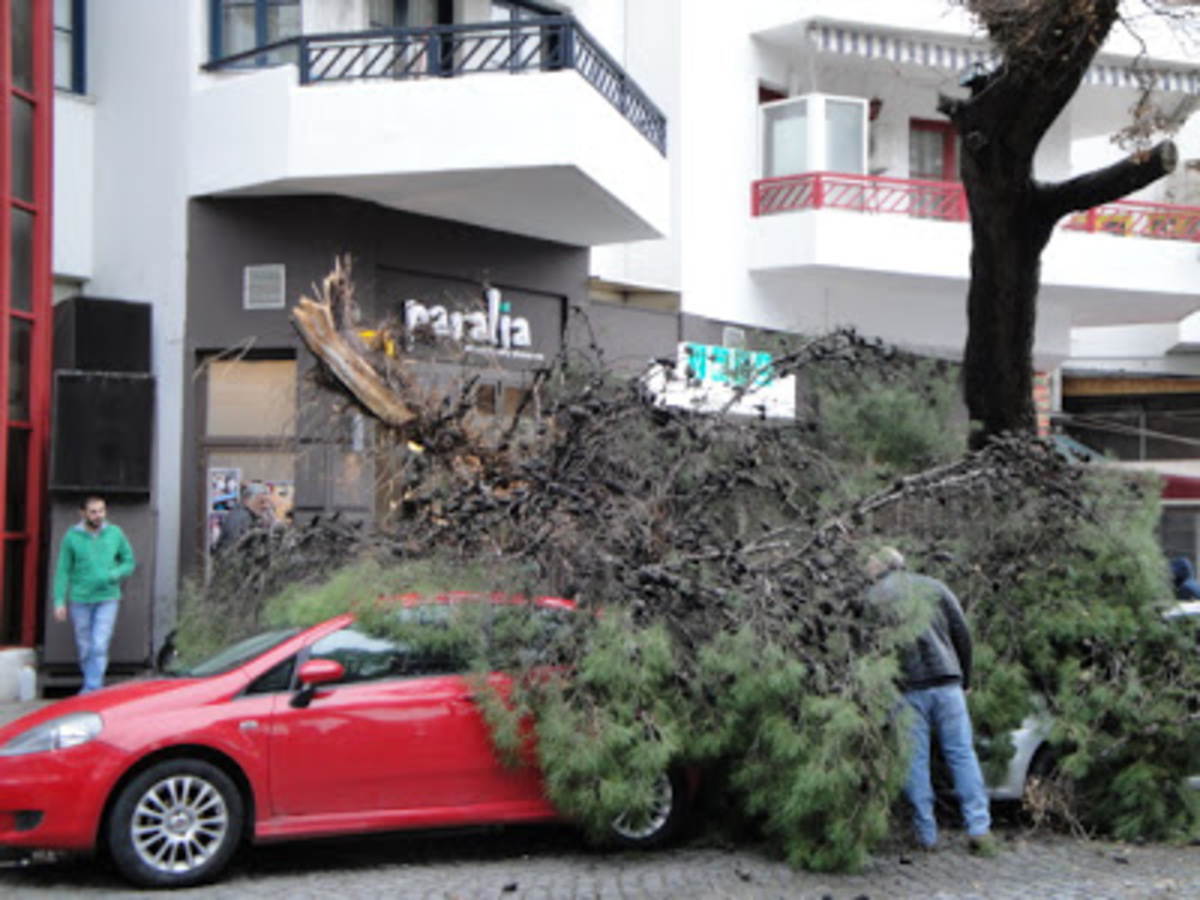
717	563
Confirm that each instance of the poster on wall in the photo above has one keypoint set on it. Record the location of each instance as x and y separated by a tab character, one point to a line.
224	488
280	495
269	501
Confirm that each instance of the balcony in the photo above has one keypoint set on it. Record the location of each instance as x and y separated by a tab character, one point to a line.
946	201
805	227
528	127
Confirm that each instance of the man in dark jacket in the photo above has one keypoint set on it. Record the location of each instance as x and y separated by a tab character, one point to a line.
935	672
254	511
1183	574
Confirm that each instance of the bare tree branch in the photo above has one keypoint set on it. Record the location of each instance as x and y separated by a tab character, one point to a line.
1109	184
341	349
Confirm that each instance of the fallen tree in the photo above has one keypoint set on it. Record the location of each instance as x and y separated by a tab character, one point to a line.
726	554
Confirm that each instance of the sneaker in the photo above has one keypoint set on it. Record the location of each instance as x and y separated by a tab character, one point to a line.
983	845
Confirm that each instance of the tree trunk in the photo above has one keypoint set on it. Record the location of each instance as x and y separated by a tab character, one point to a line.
1009	231
1046	48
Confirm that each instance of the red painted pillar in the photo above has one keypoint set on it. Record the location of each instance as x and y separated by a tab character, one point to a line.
26	124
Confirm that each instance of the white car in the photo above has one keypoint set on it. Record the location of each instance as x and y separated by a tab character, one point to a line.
1033	755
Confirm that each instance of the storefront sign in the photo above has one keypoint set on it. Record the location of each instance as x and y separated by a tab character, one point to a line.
708	378
495	329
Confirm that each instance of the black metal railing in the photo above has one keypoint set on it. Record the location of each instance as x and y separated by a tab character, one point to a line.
448	51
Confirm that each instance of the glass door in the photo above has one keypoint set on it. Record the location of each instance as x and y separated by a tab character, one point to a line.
932	156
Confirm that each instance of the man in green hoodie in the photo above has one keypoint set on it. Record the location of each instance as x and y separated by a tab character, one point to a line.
94	559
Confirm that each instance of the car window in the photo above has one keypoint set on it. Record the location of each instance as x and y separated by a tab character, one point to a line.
277	680
363	656
523	635
239	654
440	638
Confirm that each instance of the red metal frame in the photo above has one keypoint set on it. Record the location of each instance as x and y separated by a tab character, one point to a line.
946	201
39	313
41	340
6	206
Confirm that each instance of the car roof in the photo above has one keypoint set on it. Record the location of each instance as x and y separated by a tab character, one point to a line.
498	598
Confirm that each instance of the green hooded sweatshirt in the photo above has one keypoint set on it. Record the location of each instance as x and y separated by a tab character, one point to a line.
91	565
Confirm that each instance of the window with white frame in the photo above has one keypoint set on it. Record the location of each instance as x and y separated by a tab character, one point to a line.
814	133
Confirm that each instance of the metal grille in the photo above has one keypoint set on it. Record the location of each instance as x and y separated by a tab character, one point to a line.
448	51
946	201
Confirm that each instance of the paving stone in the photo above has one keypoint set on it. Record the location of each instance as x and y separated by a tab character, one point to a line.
551	863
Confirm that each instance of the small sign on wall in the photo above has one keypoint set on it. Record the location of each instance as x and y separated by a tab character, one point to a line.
709	378
224	490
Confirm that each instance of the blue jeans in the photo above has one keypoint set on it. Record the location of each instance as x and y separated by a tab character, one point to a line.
93	631
944	710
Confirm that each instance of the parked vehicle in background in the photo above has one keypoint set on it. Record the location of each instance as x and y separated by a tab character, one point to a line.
293	733
1035	758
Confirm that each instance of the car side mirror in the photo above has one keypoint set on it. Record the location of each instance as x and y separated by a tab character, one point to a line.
316	672
321	671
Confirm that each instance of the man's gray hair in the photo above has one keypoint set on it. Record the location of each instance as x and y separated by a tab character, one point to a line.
884	560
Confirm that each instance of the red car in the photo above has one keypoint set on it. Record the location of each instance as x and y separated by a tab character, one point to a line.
290	734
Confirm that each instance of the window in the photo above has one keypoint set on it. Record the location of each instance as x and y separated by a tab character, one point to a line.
23	141
249	438
785	144
241	25
21	44
932	151
363	656
814	133
69	44
933	156
513	10
404	14
522	635
251	398
845	132
276	681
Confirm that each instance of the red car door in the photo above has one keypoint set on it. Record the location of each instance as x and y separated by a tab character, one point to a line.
386	742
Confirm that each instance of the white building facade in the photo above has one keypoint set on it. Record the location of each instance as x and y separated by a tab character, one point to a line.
678	175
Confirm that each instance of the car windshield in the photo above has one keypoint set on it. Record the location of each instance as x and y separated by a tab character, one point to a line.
232	657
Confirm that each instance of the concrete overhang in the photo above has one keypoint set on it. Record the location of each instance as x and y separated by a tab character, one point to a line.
536	154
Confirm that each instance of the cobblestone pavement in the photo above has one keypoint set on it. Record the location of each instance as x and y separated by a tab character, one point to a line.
550	864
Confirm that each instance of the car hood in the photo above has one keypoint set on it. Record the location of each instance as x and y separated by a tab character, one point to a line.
137	698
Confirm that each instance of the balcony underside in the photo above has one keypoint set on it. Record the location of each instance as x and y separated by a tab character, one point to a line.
554	203
1087	306
540	154
1095	279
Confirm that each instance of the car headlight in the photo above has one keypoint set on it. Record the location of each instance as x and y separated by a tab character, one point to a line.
57	734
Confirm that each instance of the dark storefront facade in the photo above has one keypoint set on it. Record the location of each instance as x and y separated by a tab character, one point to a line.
1148	423
502	302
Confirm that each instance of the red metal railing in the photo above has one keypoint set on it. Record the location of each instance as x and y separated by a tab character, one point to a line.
946	201
1152	220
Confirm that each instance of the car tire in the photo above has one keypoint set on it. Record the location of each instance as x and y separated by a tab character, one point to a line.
1044	764
666	816
176	824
